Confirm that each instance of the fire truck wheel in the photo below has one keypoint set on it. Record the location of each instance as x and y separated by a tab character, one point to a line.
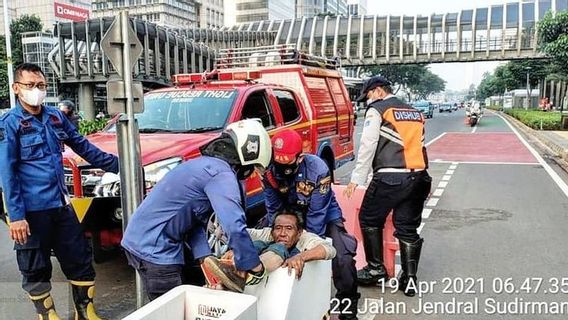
216	237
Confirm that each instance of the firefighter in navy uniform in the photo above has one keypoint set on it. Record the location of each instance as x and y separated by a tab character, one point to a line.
177	211
392	146
31	142
303	182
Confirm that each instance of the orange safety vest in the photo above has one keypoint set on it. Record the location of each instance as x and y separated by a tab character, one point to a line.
401	142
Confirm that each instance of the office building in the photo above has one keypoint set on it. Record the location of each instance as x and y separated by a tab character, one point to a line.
168	13
357	7
52	11
256	10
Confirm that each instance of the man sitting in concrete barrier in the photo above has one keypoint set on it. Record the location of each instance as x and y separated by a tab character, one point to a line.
285	244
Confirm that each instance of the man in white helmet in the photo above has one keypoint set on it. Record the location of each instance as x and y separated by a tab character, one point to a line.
179	206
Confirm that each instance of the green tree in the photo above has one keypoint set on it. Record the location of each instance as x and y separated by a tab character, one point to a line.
427	84
25	23
553	37
415	79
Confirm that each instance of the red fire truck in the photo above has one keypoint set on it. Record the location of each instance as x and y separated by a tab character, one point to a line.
281	87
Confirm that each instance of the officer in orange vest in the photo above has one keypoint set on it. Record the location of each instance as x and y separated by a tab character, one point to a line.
392	148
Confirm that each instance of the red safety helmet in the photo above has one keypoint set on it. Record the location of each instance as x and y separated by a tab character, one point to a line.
286	146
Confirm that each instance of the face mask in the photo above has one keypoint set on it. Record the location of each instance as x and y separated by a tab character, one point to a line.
32	97
286	169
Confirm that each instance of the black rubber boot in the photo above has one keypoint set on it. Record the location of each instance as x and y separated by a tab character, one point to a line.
409	258
348	306
44	307
375	269
83	294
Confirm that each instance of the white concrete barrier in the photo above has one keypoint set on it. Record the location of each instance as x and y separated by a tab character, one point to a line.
279	297
197	303
283	297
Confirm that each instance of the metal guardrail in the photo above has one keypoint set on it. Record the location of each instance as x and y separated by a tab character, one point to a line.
270	56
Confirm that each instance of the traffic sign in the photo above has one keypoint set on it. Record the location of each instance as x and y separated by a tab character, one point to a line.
113	43
116	97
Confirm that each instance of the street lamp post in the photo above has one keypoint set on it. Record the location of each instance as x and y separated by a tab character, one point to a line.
9	54
528	101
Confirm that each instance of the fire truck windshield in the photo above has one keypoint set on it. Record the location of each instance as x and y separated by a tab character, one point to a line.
185	111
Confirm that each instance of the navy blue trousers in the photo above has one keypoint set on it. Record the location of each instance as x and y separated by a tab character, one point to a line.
156	278
58	230
343	265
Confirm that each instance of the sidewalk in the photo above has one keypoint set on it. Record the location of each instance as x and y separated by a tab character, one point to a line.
556	141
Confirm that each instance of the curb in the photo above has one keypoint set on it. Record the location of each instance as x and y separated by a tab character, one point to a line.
558	150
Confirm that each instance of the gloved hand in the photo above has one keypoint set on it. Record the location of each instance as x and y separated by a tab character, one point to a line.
254	278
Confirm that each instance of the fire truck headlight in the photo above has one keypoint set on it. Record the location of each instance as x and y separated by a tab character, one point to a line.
156	171
108	186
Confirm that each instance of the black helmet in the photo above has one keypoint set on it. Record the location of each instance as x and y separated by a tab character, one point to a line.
68	103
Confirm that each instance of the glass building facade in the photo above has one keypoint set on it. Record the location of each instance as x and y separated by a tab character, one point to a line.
35	47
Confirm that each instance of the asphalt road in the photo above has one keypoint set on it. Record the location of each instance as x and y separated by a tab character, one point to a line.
497	223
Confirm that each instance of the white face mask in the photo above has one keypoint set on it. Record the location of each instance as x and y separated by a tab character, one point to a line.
32	97
369	101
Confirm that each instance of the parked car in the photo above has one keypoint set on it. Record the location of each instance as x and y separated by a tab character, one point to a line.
445	107
425	107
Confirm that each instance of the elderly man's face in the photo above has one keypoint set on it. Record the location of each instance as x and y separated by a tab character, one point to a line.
285	230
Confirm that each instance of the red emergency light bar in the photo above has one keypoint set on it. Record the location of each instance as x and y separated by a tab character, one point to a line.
191	78
239	75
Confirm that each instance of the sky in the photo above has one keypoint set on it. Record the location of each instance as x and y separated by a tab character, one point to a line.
457	75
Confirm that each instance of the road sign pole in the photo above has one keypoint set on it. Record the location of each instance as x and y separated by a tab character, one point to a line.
131	174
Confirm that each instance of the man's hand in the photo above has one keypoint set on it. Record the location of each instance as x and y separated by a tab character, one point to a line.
348	192
297	263
19	231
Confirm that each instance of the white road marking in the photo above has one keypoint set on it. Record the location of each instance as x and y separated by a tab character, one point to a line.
442	184
446	178
419	230
561	184
450	172
432	202
453	166
488	162
438	192
426	213
433	140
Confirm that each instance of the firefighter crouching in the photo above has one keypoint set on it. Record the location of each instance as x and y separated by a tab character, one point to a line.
31	142
303	182
392	146
178	209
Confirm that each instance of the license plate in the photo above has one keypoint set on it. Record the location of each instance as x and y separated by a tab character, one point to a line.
68	179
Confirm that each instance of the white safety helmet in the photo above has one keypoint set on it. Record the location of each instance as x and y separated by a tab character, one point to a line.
252	142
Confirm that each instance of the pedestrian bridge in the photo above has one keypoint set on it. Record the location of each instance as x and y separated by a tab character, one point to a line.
499	32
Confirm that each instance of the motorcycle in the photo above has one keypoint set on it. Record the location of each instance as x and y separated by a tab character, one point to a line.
473	119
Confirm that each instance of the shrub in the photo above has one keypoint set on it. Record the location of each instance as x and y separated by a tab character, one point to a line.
536	119
90	126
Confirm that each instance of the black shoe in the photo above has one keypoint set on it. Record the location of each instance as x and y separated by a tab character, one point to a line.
370	276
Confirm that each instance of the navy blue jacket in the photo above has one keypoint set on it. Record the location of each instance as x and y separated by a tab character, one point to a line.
178	209
309	191
31	162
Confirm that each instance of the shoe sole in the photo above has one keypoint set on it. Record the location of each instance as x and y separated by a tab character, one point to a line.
226	281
